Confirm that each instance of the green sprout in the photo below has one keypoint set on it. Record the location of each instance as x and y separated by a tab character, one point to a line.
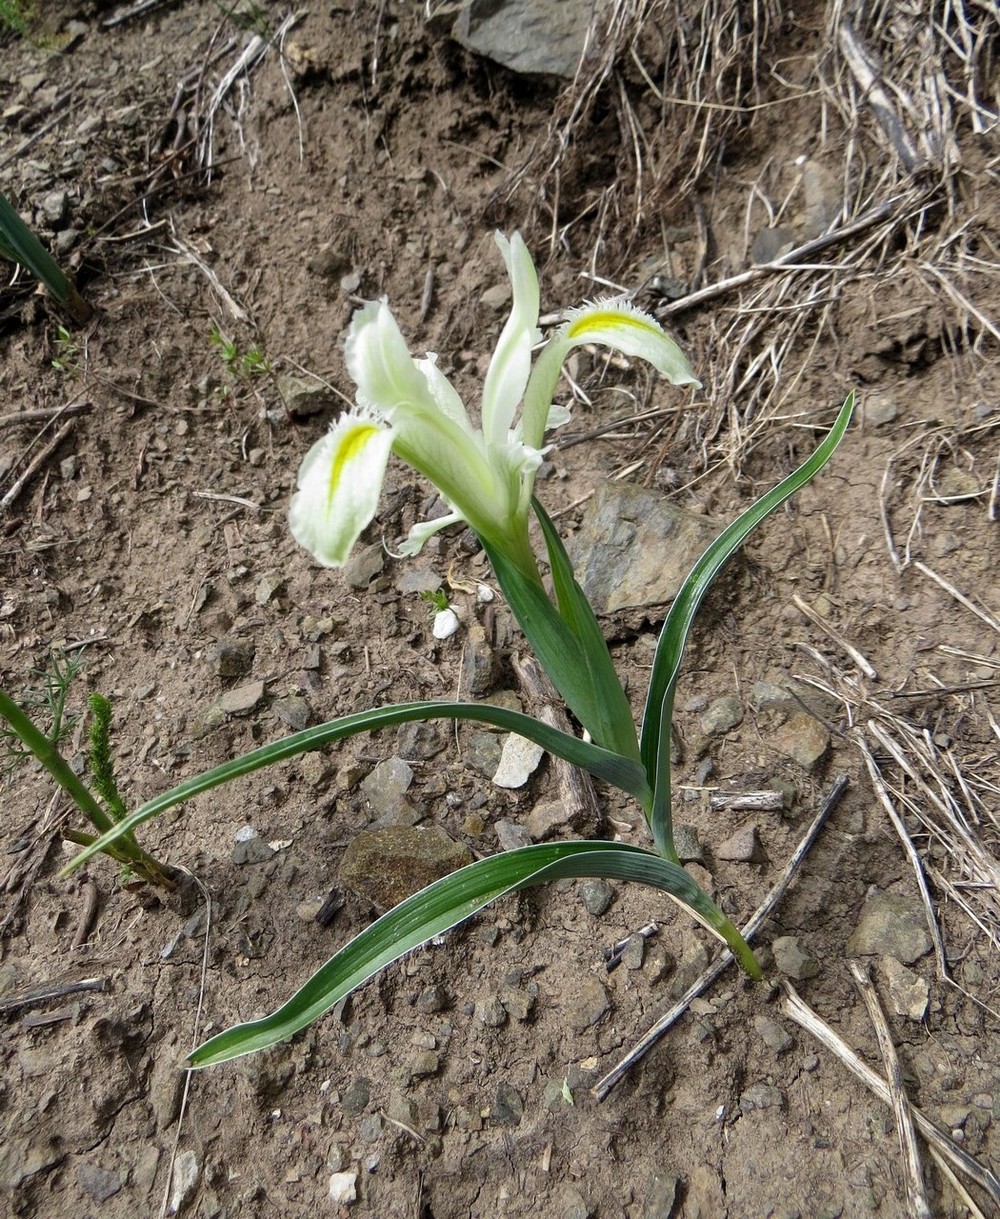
21	737
486	474
14	16
67	357
437	601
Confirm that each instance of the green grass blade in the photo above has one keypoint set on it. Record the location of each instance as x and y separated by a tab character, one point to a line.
617	730
655	743
20	244
450	901
624	773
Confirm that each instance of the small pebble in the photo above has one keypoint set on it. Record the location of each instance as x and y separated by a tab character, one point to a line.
596	895
445	624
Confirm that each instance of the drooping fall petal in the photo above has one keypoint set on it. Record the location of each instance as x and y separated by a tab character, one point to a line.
339	484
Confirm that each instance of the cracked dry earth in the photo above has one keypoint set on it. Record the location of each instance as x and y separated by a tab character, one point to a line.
152	545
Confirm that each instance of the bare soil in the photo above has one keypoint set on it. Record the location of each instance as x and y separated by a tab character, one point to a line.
366	152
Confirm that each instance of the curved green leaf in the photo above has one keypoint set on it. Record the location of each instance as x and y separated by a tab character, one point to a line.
450	901
19	244
655	742
624	773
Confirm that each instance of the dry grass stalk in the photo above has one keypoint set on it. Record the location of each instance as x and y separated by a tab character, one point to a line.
803	1015
916	1197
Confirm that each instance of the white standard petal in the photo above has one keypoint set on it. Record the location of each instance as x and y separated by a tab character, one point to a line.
339	484
378	359
443	392
617	323
511	363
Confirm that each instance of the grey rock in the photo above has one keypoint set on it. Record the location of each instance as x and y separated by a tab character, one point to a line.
658	963
328	263
482	752
413	580
774	1035
55	208
508	1108
183	1181
634	953
251	850
268	587
687	844
388	865
511	835
722	715
233	657
596	895
569	1203
490	1013
355	1099
546	819
497	298
304	396
98	1183
741	847
908	991
519	1001
364	565
661	1197
804	740
768	696
243	699
694	959
878	408
370	1128
519	759
792	960
532	36
424	1064
420	740
761	1096
635	549
386	787
432	999
587	1004
891	925
292	710
478	661
768	244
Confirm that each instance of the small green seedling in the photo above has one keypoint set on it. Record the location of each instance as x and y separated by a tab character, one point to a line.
14	16
437	601
67	357
486	474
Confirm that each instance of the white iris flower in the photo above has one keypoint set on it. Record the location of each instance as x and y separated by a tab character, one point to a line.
408	407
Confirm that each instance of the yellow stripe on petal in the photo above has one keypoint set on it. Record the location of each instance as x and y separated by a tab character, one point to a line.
352	443
619	324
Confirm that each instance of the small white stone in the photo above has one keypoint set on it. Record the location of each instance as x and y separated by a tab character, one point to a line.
445	624
183	1181
518	761
342	1187
484	594
246	833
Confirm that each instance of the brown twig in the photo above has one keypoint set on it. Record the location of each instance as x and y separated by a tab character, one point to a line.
50	990
603	1087
44	413
916	1197
40	459
91	897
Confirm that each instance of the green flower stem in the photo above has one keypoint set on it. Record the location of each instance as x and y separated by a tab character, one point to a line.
128	850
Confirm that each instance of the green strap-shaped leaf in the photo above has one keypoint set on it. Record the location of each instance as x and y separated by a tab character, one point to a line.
655	741
448	902
624	773
19	244
617	730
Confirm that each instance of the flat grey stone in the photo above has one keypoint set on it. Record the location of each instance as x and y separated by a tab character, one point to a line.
596	895
304	396
511	835
722	715
569	1203
761	1096
792	959
891	925
388	865
634	549
98	1183
519	759
355	1100
386	787
741	847
878	408
773	1034
687	844
233	657
908	991
546	819
479	662
482	752
243	699
292	710
532	36
694	959
587	1004
508	1108
364	565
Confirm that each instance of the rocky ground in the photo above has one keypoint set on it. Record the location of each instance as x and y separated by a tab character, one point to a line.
226	214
